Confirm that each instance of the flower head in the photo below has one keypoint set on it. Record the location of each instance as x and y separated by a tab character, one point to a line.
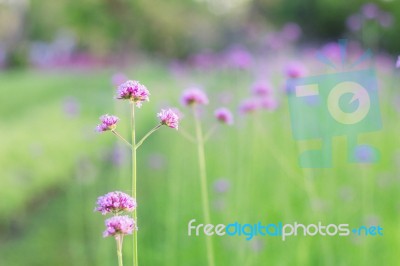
194	96
224	116
168	118
108	122
115	202
248	106
269	103
134	91
261	88
295	70
119	225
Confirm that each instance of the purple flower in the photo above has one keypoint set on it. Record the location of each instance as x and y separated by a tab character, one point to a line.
370	10
224	115
222	185
239	57
269	103
119	225
261	88
168	118
354	22
115	202
291	31
295	70
248	106
108	122
194	96
134	91
398	62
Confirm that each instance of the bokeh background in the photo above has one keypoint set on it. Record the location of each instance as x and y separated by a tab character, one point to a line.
60	62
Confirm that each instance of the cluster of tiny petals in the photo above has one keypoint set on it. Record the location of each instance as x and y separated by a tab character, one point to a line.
224	115
119	225
194	96
108	122
249	106
295	70
169	118
115	202
261	88
134	91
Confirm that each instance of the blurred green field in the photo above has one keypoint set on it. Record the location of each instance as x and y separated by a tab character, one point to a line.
54	166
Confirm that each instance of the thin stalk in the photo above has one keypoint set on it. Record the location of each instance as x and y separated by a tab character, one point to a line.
147	135
134	214
203	182
122	138
119	240
210	132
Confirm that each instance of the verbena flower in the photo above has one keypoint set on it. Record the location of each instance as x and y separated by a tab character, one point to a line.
224	115
115	202
168	118
248	106
108	122
119	225
295	70
194	96
134	91
261	88
269	103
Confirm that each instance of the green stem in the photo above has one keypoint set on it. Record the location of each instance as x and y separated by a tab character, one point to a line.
134	214
203	182
210	132
119	240
122	138
147	135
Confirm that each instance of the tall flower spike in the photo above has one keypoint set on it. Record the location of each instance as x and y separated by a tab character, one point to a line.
119	225
134	91
168	118
108	122
224	116
115	202
194	96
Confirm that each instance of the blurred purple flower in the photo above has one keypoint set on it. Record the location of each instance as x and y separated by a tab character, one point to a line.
115	202
108	122
119	225
169	118
385	20
398	62
118	78
222	185
239	58
354	22
365	154
262	88
224	116
134	91
295	70
71	107
269	103
194	96
291	31
370	10
248	106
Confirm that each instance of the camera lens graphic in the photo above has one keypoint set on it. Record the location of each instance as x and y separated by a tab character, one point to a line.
359	93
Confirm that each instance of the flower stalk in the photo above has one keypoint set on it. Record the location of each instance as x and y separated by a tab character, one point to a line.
203	184
134	214
147	135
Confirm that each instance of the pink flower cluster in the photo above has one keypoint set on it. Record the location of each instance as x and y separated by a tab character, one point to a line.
134	91
119	225
194	96
168	118
108	122
115	202
224	116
